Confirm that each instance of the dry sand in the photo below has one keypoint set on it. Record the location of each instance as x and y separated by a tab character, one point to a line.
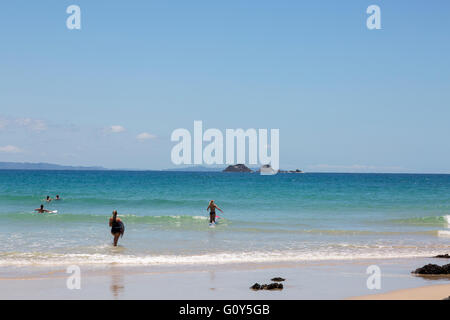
436	292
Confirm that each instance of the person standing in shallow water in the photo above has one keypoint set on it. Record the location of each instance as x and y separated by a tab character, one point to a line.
117	227
212	211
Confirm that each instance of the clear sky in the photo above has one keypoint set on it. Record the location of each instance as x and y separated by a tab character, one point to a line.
345	98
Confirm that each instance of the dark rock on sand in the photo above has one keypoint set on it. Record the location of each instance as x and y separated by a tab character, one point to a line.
445	256
277	279
272	286
238	168
256	286
433	269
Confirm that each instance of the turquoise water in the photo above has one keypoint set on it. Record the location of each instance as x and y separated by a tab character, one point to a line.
286	217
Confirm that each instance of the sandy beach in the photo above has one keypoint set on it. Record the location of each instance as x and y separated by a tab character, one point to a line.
225	150
437	292
325	280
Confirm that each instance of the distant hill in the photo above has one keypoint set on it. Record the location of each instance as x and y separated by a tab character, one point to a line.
197	169
41	166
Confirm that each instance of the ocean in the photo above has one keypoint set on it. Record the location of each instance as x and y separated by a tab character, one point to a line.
267	219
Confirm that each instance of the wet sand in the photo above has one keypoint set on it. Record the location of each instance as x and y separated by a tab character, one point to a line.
325	280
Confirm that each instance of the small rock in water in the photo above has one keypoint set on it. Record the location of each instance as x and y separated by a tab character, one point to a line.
277	279
433	269
445	256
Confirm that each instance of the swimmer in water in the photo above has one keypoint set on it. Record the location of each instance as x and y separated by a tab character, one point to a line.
117	227
57	197
212	211
48	199
41	209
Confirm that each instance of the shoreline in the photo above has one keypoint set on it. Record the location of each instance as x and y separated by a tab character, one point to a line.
310	280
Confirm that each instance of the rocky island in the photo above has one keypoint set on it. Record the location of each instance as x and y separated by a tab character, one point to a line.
267	169
290	171
238	168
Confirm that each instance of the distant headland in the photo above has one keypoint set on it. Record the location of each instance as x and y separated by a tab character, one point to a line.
56	167
42	166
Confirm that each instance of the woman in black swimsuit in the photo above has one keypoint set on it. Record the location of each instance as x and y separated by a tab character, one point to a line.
212	211
117	227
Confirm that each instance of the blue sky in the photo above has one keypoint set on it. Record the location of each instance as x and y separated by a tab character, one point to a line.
345	98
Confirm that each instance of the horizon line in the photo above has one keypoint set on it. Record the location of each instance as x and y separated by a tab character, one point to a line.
221	171
215	168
